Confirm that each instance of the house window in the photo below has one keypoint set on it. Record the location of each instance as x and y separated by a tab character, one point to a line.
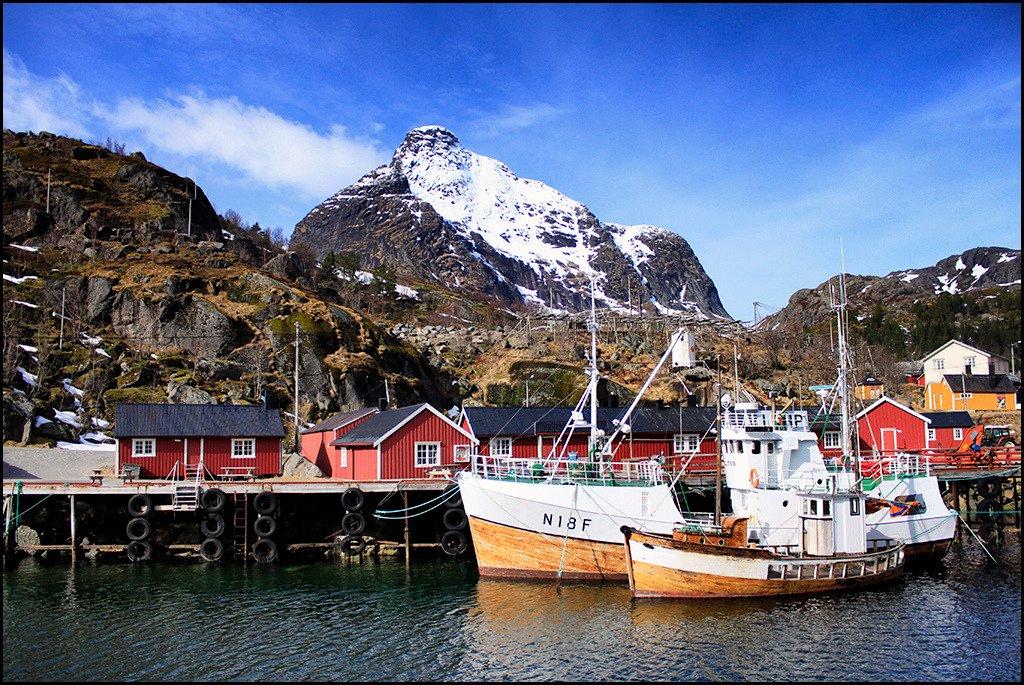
832	440
939	364
501	447
685	442
461	453
958	433
143	447
428	454
243	448
931	434
968	363
343	457
965	395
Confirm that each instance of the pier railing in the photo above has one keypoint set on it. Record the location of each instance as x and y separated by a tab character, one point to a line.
575	470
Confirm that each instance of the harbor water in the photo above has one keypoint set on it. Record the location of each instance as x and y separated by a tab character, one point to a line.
439	621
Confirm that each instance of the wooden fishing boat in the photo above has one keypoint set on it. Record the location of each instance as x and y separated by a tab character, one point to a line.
708	563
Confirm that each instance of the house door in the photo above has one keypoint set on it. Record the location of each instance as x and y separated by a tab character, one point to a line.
192	451
890	440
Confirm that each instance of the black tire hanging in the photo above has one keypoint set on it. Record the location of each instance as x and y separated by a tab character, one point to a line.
140	550
211	549
140	504
353	499
353	523
214	500
265	526
988	509
454	542
456	499
265	503
212	526
455	519
139	529
264	550
353	545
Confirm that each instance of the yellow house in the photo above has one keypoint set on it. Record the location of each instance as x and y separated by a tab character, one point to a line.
870	389
967	392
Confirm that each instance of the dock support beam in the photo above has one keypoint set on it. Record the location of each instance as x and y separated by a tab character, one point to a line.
74	530
408	536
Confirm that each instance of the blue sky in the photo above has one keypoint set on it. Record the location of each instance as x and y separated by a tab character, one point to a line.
779	140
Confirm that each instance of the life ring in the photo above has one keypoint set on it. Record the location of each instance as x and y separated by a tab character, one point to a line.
140	550
454	496
353	545
264	550
212	526
454	542
214	500
139	529
140	504
265	526
754	480
455	519
211	549
353	523
352	499
265	503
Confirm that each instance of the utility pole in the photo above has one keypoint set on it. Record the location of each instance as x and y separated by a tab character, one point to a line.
296	386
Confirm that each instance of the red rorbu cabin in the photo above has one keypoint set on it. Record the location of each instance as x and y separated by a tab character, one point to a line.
164	439
398	444
887	427
316	441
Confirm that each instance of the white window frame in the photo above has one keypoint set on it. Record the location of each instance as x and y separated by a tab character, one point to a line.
243	448
931	435
143	447
501	447
938	364
831	440
970	362
958	433
685	442
460	453
428	454
343	457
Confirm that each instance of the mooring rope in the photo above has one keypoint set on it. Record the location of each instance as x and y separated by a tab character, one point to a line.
437	502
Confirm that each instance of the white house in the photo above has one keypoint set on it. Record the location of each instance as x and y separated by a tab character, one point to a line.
956	358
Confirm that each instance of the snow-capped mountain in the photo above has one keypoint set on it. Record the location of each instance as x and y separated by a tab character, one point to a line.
442	213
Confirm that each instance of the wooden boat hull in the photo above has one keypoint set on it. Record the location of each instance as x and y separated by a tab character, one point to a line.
507	552
661	567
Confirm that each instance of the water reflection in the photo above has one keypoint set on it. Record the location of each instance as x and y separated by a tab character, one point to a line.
439	622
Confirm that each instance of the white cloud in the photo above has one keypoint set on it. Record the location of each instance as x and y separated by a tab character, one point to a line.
36	104
267	148
514	118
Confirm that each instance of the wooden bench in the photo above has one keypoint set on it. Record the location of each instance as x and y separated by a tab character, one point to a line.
131	471
237	472
97	476
439	473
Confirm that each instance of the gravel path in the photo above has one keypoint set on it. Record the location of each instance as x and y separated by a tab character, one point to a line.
48	464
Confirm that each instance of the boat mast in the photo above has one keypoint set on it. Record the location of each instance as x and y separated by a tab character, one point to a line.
843	387
592	325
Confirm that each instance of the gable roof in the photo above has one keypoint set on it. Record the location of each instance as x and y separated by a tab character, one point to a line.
381	425
894	403
340	420
196	420
980	384
972	348
950	419
511	422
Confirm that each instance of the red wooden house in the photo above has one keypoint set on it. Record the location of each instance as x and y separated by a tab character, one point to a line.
948	429
400	444
887	427
164	439
530	432
316	441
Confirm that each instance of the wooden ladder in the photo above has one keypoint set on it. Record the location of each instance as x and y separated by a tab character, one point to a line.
241	521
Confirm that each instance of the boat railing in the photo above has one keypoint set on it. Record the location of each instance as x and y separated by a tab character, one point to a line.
795	420
805	568
901	465
568	470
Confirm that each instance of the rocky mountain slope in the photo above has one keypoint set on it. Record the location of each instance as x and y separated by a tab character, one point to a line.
439	213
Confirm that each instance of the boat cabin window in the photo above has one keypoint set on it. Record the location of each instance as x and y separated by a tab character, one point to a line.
769	447
755	447
826	508
813	507
855	507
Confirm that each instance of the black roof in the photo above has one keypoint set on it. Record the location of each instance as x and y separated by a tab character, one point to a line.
377	426
519	421
339	420
949	419
982	384
196	420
